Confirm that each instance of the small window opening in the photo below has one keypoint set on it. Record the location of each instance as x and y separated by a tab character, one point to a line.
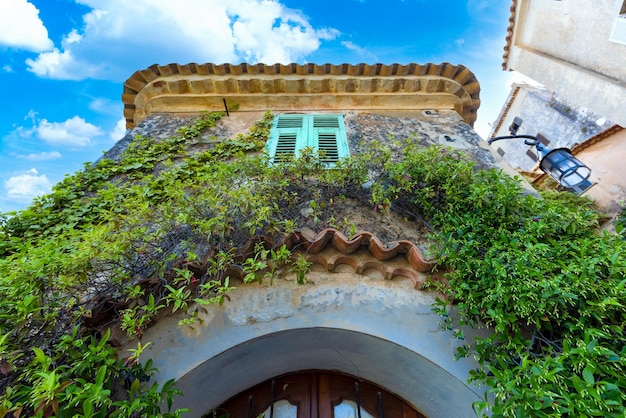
326	134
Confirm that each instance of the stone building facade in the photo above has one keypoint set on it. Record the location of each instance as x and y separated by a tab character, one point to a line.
365	314
543	113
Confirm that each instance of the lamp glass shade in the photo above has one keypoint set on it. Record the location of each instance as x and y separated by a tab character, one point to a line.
562	166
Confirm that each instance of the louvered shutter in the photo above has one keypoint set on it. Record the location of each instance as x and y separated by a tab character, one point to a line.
288	135
329	137
324	133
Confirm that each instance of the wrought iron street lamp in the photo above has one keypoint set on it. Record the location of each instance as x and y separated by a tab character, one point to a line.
558	163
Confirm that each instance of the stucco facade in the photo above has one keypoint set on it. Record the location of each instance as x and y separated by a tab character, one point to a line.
604	157
573	48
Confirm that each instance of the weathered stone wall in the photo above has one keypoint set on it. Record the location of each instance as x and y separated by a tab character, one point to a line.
442	127
563	124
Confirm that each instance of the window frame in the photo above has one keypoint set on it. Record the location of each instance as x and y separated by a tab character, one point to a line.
618	32
323	132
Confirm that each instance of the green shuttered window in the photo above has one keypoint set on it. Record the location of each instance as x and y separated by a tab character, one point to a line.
324	133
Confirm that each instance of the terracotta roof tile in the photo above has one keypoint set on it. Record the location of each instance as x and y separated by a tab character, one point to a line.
509	36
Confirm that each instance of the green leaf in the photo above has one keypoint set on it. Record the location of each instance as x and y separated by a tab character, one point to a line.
40	356
615	257
134	387
588	375
592	344
87	408
101	375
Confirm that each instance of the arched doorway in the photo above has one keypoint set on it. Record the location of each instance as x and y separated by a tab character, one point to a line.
316	394
381	331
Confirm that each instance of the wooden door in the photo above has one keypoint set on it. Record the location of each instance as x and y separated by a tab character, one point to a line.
316	395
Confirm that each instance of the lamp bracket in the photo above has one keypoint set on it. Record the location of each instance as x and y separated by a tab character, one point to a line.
526	137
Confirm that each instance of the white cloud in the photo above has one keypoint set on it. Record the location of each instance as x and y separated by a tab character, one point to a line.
266	31
62	65
21	27
75	132
31	115
359	50
42	156
27	185
119	37
7	69
119	131
106	106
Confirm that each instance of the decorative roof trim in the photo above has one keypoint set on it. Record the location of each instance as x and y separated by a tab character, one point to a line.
597	138
162	86
332	237
509	36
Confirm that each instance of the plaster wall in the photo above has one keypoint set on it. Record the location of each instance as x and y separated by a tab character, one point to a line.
607	167
575	31
379	330
565	46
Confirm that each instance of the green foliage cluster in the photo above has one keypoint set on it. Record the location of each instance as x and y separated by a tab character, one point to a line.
535	270
164	230
620	222
106	221
161	229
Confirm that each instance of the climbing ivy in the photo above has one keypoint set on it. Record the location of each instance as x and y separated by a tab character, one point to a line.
158	230
165	228
538	272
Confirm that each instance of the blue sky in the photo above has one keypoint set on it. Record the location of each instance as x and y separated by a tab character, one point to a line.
63	62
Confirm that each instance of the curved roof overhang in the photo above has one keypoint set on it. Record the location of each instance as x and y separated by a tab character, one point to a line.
193	88
509	36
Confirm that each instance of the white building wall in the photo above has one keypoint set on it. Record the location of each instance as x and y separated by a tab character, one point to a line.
383	331
565	45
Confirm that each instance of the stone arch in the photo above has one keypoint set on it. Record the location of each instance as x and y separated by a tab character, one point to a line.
381	330
428	387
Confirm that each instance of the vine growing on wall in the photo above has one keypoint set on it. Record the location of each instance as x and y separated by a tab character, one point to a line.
539	273
159	230
164	229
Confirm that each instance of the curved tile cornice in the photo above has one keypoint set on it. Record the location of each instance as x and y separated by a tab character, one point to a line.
194	88
315	244
509	36
382	252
